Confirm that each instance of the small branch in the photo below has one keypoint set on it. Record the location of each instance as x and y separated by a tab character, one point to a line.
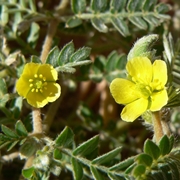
10	157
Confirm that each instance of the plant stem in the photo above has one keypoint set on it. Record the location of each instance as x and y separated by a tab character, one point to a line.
37	121
158	131
48	41
160	127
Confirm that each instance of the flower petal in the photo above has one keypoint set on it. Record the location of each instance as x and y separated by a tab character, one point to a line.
29	69
36	99
22	86
52	92
159	100
124	91
48	71
140	70
160	72
133	110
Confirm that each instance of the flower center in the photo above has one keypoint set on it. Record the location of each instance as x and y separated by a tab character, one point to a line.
38	83
145	90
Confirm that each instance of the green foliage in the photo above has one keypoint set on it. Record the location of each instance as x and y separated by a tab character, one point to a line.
172	58
10	138
143	47
157	161
66	59
142	14
86	139
108	68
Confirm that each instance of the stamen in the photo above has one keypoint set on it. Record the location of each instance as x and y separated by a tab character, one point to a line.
32	90
41	76
30	80
36	90
31	85
35	75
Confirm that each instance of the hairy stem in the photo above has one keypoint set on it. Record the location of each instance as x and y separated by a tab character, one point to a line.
48	41
158	129
37	121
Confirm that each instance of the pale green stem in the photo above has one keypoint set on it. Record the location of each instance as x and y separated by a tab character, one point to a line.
160	127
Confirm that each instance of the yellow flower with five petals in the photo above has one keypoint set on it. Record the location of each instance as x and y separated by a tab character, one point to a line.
37	84
144	89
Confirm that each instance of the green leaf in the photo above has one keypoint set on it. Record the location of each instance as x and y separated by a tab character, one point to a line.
98	5
120	25
87	147
148	5
3	88
80	63
77	169
134	5
4	15
162	8
28	173
152	20
11	145
57	154
107	157
96	174
52	56
65	53
115	176
117	5
73	22
20	129
171	140
99	25
174	168
144	159
65	139
122	165
4	97
142	47
139	170
164	145
152	149
32	5
66	69
139	22
33	35
2	145
78	6
80	54
8	132
35	59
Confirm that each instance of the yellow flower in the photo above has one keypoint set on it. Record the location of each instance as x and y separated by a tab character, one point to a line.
144	89
38	84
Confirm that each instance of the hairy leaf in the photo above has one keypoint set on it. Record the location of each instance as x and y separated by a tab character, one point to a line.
87	147
20	129
77	169
107	157
152	149
65	139
78	6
